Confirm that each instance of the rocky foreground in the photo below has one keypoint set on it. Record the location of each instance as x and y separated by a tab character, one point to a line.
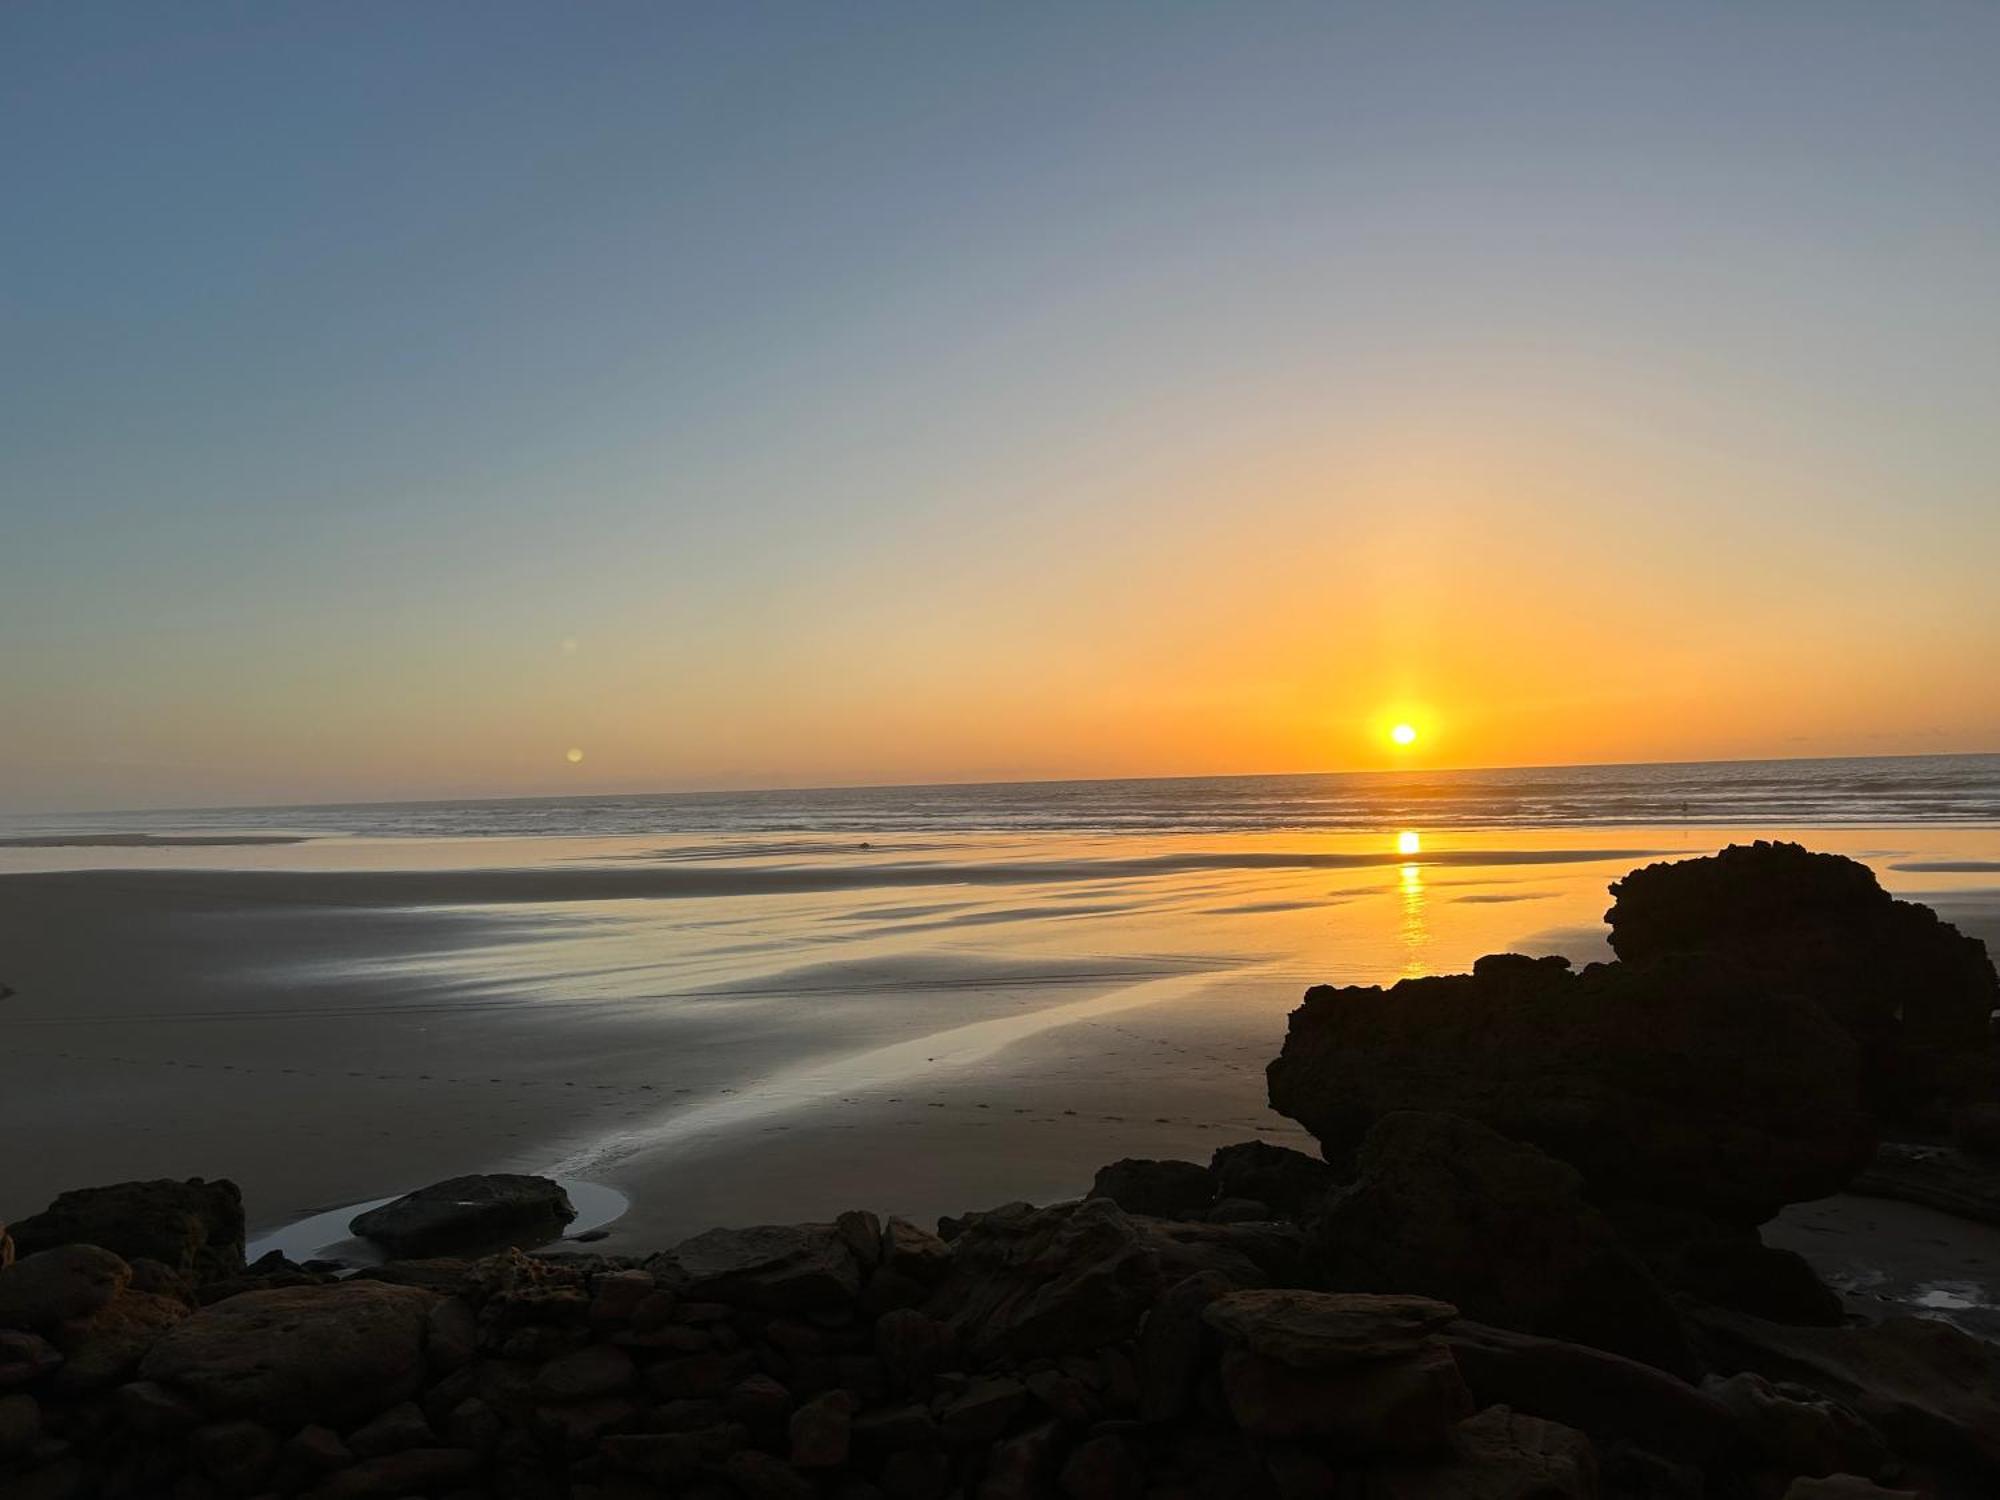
1527	1266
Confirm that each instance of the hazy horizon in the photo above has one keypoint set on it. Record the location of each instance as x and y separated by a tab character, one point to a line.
500	401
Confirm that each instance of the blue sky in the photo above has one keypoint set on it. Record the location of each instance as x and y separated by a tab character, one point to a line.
395	398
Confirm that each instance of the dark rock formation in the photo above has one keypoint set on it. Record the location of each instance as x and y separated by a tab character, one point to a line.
1445	1208
195	1227
50	1287
474	1213
1939	1177
1915	992
1681	1081
1289	1183
1163	1189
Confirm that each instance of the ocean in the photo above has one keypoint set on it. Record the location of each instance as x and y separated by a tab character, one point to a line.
1962	790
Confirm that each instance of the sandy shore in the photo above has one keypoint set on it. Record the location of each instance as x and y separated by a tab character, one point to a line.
732	1032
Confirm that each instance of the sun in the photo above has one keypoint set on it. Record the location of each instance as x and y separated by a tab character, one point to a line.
1404	734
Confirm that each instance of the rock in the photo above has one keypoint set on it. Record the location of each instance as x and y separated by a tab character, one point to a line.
594	1370
617	1295
1495	1455
1105	1467
1326	1330
401	1426
20	1424
1931	1390
772	1267
105	1347
58	1285
1289	1182
1976	1129
477	1212
1935	1176
663	1458
1612	1399
25	1358
1912	990
299	1354
1020	1468
984	1410
820	1430
1844	1487
451	1333
147	1406
1357	1374
1726	1265
912	1251
415	1471
760	1476
315	1450
916	1474
237	1455
1172	1344
1161	1189
194	1227
1682	1081
1799	1430
1444	1207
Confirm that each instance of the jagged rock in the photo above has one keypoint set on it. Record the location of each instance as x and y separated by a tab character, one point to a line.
1611	1398
1931	1390
774	1267
106	1346
299	1354
1074	1277
477	1212
25	1358
913	1251
1844	1487
1936	1177
20	1424
1444	1207
58	1285
1497	1454
1161	1189
1326	1330
1800	1430
1289	1182
1682	1082
1913	991
195	1227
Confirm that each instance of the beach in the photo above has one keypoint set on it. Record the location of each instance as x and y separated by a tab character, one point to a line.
746	1028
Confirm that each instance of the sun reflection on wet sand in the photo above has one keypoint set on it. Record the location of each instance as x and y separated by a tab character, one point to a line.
1416	929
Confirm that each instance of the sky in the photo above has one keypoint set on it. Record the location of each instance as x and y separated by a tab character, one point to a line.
480	399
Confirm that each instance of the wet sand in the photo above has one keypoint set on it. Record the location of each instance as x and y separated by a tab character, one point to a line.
735	1031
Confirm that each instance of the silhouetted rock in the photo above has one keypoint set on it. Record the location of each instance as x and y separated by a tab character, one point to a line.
1681	1081
1725	1264
195	1227
1289	1182
299	1354
1443	1207
1911	988
478	1212
1163	1189
1931	1390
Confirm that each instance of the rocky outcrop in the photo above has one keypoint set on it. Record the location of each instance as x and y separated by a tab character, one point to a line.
1951	1181
1682	1081
1444	1207
476	1213
1163	1189
194	1227
1913	991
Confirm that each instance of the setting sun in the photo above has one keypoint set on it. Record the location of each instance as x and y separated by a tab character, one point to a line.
1404	734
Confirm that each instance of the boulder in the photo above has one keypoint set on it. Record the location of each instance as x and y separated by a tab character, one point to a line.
293	1355
106	1346
1446	1208
1913	990
25	1358
1682	1081
194	1227
484	1211
1289	1182
58	1285
1800	1430
1617	1401
1725	1264
1931	1390
771	1267
1496	1455
1356	1375
1161	1189
1951	1181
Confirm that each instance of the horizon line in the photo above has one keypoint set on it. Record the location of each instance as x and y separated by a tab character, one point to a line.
1026	781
